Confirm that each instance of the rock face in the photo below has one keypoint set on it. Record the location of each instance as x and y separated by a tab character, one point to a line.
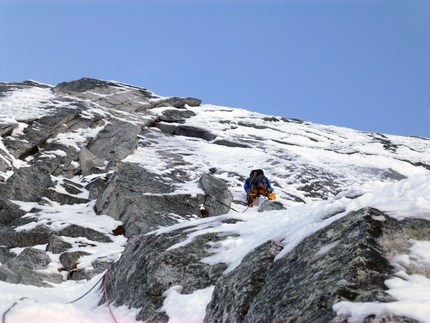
112	118
347	260
135	162
119	136
141	283
24	269
218	198
234	293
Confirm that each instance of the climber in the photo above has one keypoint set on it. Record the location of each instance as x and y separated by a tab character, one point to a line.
257	184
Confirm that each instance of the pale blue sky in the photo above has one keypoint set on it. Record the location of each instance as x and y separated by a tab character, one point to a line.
361	64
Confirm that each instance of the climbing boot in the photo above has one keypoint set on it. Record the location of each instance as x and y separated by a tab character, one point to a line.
251	198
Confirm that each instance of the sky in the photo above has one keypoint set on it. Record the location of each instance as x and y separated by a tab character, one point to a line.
361	64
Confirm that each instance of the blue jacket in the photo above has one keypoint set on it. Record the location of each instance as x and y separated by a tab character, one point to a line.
264	180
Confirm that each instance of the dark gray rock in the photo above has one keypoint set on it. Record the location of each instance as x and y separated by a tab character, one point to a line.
76	231
251	125
69	260
185	130
39	131
115	142
143	200
72	187
270	206
96	187
28	184
218	197
347	260
65	198
234	292
5	255
24	269
88	84
195	132
146	270
141	214
390	318
9	211
57	245
96	268
5	165
292	120
57	165
166	127
82	85
11	238
177	115
177	102
391	174
88	160
129	180
228	143
7	129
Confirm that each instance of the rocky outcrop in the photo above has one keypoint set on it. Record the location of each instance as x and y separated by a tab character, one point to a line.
187	131
127	98
116	141
25	269
28	184
142	200
236	291
268	205
142	282
218	198
347	260
39	132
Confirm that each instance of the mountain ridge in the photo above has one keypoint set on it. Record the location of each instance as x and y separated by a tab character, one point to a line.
88	158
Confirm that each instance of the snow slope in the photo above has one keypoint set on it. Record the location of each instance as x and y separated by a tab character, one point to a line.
296	156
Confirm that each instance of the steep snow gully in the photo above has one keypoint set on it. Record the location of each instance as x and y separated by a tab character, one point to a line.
105	215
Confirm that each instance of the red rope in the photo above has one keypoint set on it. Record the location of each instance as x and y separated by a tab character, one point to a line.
106	295
246	209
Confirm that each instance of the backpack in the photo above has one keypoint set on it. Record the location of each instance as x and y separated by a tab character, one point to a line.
256	176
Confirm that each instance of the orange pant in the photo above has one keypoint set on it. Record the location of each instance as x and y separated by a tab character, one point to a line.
258	191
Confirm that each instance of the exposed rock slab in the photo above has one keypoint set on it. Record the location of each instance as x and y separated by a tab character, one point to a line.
234	292
270	206
176	115
115	142
347	260
25	269
88	160
185	130
11	238
57	245
76	231
141	284
218	197
39	131
9	211
28	184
